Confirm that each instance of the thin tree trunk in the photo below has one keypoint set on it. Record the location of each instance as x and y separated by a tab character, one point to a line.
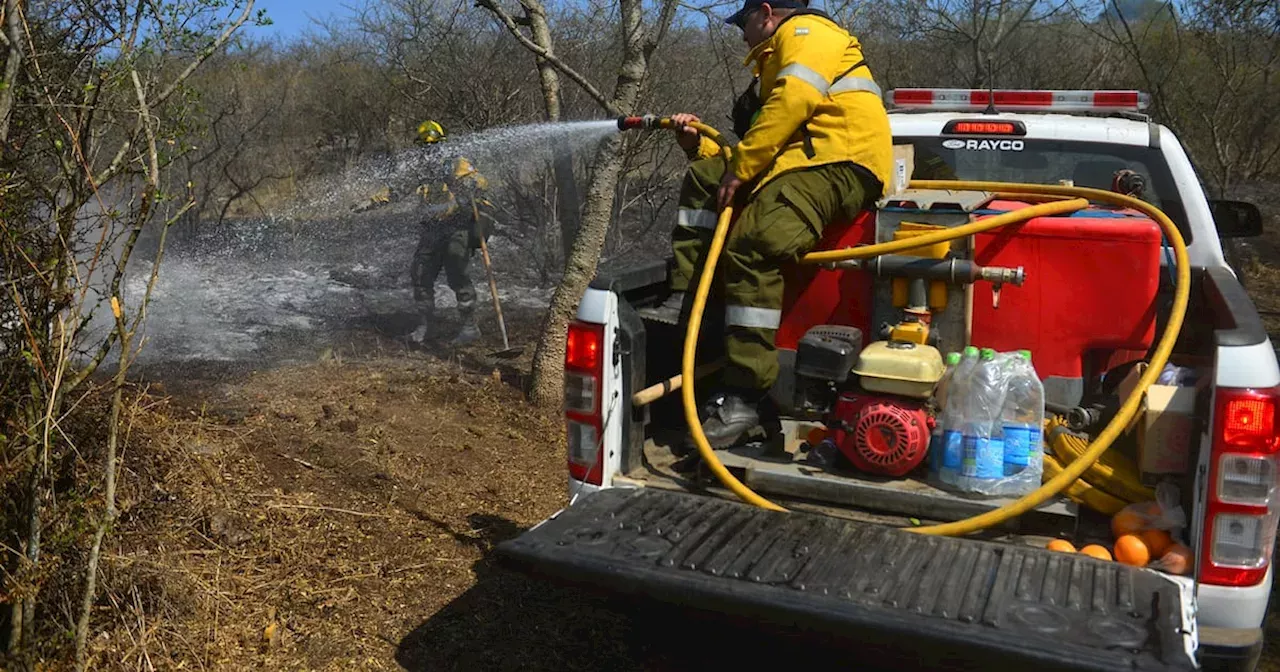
109	494
567	198
547	385
12	39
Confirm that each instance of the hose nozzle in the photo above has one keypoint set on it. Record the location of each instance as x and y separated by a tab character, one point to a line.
648	122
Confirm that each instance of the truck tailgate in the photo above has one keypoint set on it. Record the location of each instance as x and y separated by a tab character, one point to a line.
981	602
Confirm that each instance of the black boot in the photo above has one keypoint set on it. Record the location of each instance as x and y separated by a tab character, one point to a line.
727	419
670	311
470	331
426	309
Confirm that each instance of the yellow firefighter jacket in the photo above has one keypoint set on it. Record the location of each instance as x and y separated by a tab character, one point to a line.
442	199
820	104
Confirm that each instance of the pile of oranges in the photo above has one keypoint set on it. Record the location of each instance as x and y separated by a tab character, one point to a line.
1137	544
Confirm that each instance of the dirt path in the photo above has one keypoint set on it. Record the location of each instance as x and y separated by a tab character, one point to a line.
317	517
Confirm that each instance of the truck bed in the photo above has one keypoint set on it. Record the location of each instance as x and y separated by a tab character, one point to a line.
781	470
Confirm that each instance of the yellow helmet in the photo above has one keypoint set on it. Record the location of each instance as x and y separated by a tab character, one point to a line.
430	131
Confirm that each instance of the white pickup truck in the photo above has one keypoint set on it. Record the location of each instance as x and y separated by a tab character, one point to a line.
638	523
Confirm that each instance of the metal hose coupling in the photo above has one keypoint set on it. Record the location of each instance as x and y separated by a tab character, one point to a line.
648	122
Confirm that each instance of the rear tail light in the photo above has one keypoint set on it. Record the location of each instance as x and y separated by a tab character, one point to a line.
1241	515
582	346
584	452
580	392
1242	540
583	363
1246	479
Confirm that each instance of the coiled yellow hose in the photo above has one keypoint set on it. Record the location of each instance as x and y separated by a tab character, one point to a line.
1076	198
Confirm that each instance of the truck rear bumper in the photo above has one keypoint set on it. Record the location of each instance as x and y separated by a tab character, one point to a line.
1233	607
579	489
1230	649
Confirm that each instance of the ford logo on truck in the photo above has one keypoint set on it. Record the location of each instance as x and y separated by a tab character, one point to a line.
1002	145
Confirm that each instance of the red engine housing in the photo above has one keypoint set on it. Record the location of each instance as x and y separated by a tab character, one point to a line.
881	435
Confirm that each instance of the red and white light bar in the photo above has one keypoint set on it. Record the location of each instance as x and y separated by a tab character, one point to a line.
977	100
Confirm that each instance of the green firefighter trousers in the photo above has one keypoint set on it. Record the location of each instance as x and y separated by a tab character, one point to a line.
446	246
776	225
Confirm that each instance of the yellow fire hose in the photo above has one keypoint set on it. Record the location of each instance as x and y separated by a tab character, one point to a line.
1071	199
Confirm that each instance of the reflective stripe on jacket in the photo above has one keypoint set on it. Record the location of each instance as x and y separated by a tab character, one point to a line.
843	122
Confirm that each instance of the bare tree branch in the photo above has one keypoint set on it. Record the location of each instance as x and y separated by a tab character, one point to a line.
507	20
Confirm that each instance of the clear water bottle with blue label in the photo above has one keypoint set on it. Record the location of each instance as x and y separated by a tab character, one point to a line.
953	413
1022	420
940	395
983	439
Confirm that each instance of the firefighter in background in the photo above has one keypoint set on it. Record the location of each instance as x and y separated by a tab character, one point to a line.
815	147
454	215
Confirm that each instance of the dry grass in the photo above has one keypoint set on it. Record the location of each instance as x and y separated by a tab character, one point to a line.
317	517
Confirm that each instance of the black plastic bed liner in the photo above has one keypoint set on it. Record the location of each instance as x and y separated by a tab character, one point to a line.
979	603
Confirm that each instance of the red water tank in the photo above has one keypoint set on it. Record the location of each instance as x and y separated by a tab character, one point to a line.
814	295
1091	285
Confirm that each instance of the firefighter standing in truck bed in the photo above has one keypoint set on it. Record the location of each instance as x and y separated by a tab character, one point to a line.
816	147
454	214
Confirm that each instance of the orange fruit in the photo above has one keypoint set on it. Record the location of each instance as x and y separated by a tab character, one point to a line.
1128	521
1061	545
1176	560
1157	541
1131	550
1096	551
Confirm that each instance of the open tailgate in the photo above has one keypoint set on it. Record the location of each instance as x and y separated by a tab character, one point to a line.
980	602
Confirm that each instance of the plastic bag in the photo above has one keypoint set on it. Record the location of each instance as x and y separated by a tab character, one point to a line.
1180	376
1159	524
1165	513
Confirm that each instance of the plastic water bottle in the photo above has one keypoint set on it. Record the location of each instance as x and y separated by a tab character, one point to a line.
940	401
953	417
1023	420
982	436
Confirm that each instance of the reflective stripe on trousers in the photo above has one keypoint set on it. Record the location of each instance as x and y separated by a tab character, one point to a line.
696	219
752	317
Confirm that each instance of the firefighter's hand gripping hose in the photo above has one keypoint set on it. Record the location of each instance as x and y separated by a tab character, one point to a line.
1070	200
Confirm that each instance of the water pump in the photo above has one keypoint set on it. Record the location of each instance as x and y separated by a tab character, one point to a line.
881	435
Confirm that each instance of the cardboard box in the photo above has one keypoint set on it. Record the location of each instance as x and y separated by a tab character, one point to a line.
904	163
1165	423
1167	431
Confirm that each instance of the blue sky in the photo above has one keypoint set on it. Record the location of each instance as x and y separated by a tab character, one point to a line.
292	18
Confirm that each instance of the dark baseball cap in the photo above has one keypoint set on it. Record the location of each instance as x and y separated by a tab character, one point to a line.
739	17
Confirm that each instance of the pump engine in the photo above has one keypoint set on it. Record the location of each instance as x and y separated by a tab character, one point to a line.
881	435
874	400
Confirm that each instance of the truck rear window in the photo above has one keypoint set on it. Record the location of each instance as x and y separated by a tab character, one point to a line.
1086	164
